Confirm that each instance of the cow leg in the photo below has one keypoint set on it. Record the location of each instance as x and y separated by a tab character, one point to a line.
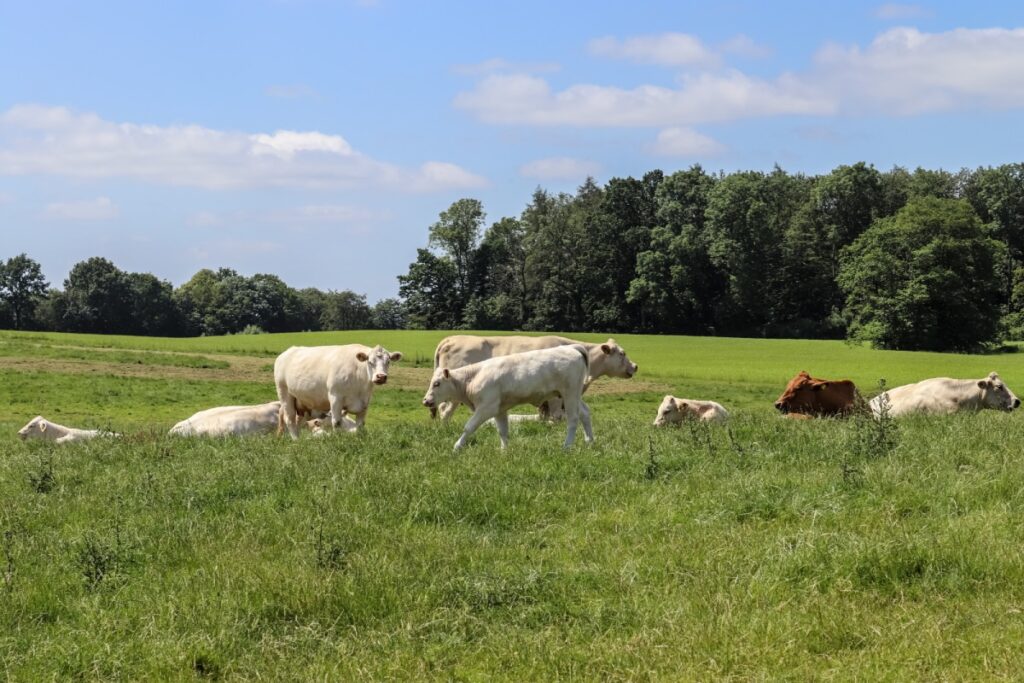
291	417
478	417
588	430
555	410
360	419
446	410
501	420
572	414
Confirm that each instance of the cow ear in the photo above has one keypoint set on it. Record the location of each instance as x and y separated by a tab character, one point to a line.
993	375
446	373
820	386
607	349
362	357
396	355
42	426
984	383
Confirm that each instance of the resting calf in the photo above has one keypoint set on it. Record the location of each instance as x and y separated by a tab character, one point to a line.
41	428
675	410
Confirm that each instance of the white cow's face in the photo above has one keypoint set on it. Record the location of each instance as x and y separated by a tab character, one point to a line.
441	388
377	363
670	411
36	428
995	394
618	363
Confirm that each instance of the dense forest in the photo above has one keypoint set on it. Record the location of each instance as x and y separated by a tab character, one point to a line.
917	259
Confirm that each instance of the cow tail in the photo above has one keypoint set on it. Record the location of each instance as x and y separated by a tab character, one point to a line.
586	356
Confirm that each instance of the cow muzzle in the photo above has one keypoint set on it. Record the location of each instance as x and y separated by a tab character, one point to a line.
1015	404
380	379
22	435
428	403
632	370
781	407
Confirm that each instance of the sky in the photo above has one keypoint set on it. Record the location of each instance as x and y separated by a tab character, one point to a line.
319	139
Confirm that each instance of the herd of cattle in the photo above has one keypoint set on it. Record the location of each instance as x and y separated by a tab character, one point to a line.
330	387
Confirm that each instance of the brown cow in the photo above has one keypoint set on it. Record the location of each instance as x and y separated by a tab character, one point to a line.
808	396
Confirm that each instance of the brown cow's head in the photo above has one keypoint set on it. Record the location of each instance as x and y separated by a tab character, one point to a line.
811	396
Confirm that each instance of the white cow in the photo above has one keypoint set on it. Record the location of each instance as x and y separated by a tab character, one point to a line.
230	421
607	359
339	379
493	386
944	396
675	410
41	428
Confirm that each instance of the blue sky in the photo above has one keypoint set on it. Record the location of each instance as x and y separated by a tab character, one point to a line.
318	139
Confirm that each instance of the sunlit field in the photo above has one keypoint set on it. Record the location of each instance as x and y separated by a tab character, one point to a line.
765	548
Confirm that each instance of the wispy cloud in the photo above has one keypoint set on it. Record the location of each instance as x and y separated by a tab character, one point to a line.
894	11
98	209
685	142
903	71
560	168
666	49
37	139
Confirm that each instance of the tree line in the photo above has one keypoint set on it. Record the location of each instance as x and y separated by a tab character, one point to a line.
98	297
919	259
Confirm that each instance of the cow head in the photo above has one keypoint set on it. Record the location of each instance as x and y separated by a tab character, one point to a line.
35	428
670	411
441	389
616	362
377	363
809	395
995	394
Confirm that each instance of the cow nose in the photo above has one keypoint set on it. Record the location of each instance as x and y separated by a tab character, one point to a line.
780	407
380	379
428	403
1016	403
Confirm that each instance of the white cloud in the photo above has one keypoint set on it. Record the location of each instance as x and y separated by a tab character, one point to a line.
744	46
702	98
666	49
560	168
289	92
99	209
903	71
58	141
894	11
685	142
497	65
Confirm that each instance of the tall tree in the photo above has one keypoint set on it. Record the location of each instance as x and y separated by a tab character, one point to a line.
21	286
98	298
456	234
927	278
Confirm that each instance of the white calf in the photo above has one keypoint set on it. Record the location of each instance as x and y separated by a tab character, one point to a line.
41	428
230	421
675	410
493	386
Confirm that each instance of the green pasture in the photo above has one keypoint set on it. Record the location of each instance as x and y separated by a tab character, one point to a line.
765	549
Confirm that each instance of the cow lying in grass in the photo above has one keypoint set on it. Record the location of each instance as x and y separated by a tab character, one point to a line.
230	421
944	396
41	428
807	396
674	410
493	386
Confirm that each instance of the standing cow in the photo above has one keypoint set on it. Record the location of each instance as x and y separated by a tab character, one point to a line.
944	396
493	386
807	396
338	379
460	350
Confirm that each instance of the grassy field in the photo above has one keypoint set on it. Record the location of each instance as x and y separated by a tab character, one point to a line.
765	549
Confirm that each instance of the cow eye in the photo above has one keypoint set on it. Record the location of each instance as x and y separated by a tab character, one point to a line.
437	384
